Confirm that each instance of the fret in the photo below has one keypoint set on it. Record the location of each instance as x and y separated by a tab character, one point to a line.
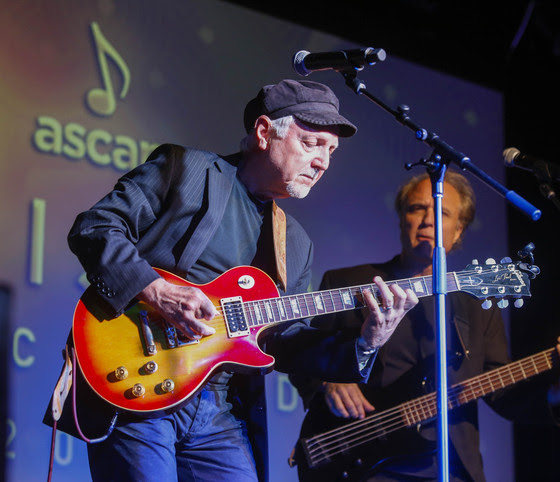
308	308
405	413
423	412
336	298
361	290
347	299
534	365
295	307
328	302
511	374
453	399
289	308
419	287
452	281
461	394
491	384
500	378
413	408
318	303
481	388
258	313
250	313
268	310
281	310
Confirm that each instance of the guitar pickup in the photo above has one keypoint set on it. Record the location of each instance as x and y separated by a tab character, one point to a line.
234	316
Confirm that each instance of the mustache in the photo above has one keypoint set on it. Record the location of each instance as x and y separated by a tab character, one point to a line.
312	173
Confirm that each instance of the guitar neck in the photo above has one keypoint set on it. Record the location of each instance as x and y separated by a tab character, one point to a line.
293	307
425	408
328	444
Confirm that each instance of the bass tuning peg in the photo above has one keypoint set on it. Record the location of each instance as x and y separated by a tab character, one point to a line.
505	260
518	303
486	304
503	303
490	261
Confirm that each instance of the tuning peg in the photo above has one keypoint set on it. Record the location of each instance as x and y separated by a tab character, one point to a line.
475	262
486	304
505	260
518	303
490	261
503	303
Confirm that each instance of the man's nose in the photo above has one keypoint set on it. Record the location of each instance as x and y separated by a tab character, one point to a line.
429	216
322	159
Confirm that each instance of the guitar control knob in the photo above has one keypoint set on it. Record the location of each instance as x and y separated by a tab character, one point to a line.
138	390
151	367
121	373
167	385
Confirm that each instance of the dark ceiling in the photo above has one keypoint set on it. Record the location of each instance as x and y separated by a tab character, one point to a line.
482	41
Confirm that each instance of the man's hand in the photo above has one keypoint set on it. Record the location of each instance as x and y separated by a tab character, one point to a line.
183	306
384	318
346	400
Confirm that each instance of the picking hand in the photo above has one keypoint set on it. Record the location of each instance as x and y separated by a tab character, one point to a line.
183	306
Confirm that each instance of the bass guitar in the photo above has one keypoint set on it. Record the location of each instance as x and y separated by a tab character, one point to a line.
139	362
347	451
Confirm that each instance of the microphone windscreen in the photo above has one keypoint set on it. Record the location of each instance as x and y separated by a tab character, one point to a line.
298	64
510	154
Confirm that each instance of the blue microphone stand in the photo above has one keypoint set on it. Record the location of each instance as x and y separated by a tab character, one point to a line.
442	155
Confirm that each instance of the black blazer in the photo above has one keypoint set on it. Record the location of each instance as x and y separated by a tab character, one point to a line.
163	214
477	335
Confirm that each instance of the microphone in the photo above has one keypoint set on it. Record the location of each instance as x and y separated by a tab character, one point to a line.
305	62
514	158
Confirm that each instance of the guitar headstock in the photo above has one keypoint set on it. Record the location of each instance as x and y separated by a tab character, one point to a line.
497	280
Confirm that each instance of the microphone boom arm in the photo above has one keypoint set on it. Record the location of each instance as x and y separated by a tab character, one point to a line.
445	152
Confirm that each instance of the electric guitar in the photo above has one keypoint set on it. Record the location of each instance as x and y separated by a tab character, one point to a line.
139	362
350	449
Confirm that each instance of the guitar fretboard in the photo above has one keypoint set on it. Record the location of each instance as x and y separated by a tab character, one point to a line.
288	308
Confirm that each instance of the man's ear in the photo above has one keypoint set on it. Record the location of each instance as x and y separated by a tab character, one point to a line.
263	131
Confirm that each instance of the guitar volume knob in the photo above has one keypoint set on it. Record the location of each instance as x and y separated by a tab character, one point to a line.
121	373
138	390
151	367
167	385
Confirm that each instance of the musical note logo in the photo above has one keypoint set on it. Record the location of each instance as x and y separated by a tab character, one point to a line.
102	100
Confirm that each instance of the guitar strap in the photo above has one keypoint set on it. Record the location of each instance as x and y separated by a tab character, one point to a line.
279	239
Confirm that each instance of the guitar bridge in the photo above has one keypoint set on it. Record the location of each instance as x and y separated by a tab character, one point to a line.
175	338
234	316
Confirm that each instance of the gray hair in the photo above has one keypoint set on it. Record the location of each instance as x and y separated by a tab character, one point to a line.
280	128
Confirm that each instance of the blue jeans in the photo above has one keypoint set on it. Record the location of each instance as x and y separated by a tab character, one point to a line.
202	441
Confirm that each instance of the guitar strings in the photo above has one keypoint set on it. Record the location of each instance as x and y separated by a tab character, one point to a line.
407	414
358	289
269	309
